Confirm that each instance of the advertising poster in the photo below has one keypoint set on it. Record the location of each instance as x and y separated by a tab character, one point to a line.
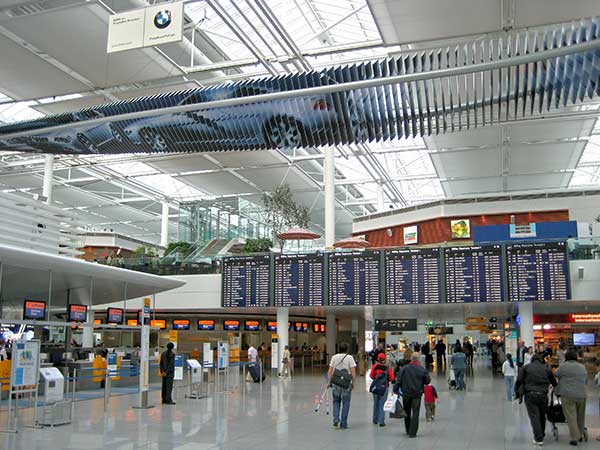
144	358
223	349
126	31
163	23
274	352
26	362
461	229
234	349
111	364
178	367
207	355
411	235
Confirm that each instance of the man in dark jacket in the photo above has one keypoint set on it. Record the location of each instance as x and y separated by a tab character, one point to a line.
532	382
410	383
440	350
167	371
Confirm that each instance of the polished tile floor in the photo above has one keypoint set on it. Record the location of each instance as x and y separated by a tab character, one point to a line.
281	415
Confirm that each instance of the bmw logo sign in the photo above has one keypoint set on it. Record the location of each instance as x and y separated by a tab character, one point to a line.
162	19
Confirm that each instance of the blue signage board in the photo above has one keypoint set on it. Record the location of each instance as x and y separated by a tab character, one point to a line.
246	281
412	276
299	280
354	278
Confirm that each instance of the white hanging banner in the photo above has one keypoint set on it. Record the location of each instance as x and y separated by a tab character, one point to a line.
126	31
163	24
145	27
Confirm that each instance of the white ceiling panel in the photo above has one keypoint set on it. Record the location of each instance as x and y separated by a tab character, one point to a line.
484	162
535	182
468	187
549	130
542	157
221	183
471	138
254	158
24	75
269	179
20	181
85	29
183	163
71	197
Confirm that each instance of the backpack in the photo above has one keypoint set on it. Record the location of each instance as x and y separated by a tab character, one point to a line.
379	384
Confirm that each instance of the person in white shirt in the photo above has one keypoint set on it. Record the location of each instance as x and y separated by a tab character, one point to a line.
252	359
509	370
527	356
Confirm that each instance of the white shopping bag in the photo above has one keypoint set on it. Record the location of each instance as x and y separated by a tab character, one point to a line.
368	380
390	404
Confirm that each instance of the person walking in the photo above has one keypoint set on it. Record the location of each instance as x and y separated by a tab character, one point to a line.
411	382
509	370
381	374
440	352
167	371
459	364
572	377
341	392
470	351
528	355
285	371
430	396
521	350
252	360
375	353
533	381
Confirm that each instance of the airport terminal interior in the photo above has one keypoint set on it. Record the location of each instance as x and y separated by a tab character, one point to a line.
292	224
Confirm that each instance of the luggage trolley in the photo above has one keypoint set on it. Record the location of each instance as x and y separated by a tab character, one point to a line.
555	414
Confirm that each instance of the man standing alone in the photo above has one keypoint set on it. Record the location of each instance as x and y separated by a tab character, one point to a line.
167	371
411	381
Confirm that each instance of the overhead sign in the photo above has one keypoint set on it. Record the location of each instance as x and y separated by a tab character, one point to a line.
145	27
522	231
395	324
585	318
411	235
163	24
126	31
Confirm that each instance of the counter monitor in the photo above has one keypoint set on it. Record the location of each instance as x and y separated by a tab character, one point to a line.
159	323
34	310
272	326
114	315
77	313
181	324
252	325
231	325
206	325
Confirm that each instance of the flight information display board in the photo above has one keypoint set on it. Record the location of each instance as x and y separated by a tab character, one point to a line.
299	280
245	281
538	271
474	274
412	276
354	278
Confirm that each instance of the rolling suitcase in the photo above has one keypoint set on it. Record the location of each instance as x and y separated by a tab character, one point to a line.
255	373
451	379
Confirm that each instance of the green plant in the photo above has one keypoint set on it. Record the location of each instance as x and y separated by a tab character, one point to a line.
282	212
182	247
142	250
261	245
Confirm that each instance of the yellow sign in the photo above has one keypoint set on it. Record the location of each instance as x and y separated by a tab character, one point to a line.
5	374
147	302
173	336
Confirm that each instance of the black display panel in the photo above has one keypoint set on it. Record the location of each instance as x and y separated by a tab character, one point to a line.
538	271
115	315
474	274
299	280
412	276
354	278
77	313
245	281
34	310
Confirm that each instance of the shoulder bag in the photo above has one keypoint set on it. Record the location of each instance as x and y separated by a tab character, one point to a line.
341	377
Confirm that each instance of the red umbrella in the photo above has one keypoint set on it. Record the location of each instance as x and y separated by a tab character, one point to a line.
297	234
352	242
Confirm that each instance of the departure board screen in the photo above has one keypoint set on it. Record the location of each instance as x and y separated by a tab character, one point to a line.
299	280
354	278
538	271
245	281
474	274
412	276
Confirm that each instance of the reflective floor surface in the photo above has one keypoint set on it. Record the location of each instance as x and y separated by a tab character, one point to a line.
281	415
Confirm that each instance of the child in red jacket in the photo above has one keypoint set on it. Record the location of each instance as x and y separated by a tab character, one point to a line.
431	397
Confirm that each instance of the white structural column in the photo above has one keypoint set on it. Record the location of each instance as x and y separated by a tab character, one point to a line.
164	225
329	186
380	198
48	174
282	334
331	334
87	338
526	314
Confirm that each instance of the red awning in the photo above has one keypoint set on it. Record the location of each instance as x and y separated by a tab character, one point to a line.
297	234
352	242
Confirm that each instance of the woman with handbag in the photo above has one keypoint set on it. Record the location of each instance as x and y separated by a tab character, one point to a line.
382	375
